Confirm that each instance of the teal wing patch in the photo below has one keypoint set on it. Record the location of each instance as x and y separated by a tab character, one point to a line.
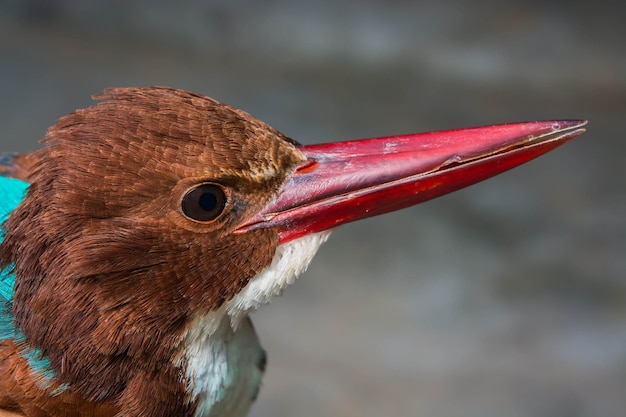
12	193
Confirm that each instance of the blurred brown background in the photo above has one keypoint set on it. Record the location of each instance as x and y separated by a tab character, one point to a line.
506	299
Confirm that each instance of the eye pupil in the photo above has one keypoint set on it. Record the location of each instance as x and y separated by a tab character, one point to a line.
204	202
207	201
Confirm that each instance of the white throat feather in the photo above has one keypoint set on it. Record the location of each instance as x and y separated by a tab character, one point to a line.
224	359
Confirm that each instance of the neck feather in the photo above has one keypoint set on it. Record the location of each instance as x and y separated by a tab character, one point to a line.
290	260
223	356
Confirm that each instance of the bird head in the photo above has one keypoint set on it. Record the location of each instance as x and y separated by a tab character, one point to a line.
157	206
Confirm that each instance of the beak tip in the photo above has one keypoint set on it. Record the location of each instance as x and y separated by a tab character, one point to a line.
569	124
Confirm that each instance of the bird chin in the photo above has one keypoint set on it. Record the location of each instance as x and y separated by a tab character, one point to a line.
220	350
290	260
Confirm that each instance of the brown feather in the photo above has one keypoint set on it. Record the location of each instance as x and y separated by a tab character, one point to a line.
17	166
22	395
109	271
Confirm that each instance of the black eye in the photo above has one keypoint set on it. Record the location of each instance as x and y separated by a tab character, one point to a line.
204	203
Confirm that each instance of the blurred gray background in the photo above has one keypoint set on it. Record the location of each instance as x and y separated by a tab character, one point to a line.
506	299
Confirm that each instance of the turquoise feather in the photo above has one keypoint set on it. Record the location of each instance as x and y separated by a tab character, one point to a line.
12	192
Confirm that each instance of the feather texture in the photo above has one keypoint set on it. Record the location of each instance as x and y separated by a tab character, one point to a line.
12	192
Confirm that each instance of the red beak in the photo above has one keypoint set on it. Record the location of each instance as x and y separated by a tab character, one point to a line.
346	181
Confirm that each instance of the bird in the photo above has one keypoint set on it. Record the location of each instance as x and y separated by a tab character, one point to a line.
138	239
